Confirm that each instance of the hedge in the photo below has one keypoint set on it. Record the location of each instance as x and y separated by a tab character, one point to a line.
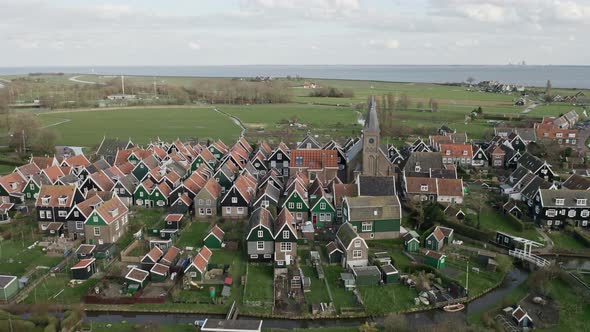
476	234
426	233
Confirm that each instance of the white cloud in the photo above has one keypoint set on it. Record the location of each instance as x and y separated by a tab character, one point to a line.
387	43
194	45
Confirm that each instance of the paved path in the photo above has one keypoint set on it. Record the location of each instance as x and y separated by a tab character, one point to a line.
75	79
530	108
548	243
235	119
56	124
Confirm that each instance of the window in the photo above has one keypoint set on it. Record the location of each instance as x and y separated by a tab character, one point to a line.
228	210
323	206
200	202
298	160
417	168
322	217
299	216
285	235
357	254
559	201
581	201
424	187
557	222
141	194
551	213
448	152
76	214
48	213
240	210
208	202
584	223
201	211
286	246
122	191
62	214
260	245
117	225
558	134
367	226
209	211
585	213
267	255
571	213
157	194
328	217
79	225
464	152
193	274
357	243
96	231
260	234
234	200
291	205
273	164
279	156
41	214
286	163
549	222
253	256
299	205
265	203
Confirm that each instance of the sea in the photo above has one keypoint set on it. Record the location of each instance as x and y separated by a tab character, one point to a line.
529	75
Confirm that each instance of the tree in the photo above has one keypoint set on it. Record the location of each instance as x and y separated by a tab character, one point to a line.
395	323
44	142
548	93
404	102
470	80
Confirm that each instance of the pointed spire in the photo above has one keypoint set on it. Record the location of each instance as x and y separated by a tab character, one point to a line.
372	121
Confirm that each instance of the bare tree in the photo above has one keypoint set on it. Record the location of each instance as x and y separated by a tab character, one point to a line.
470	80
403	102
433	105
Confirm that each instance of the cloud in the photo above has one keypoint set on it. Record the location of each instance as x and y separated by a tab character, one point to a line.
194	45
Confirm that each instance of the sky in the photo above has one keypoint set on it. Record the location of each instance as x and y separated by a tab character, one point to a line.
249	32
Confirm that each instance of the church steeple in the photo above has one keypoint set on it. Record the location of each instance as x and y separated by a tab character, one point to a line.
372	121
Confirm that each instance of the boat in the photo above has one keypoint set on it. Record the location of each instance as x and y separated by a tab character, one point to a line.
424	300
454	307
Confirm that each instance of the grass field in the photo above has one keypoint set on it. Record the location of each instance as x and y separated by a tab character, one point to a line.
380	300
87	128
259	284
193	235
56	290
563	240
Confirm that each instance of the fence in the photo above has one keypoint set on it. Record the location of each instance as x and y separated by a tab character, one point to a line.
125	257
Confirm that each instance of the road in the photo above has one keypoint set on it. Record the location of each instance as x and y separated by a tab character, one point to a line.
5	81
530	108
75	79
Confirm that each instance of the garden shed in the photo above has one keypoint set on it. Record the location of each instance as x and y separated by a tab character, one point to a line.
8	287
435	259
334	253
390	273
366	275
84	269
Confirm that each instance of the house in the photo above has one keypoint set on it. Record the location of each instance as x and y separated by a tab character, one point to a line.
420	164
105	251
545	131
314	163
453	212
214	239
522	318
285	238
137	278
11	188
125	187
79	214
420	189
108	148
85	251
33	186
84	269
322	211
260	237
411	241
456	154
107	223
438	238
207	200
373	217
151	258
4	208
54	229
376	185
280	159
296	201
480	158
98	181
512	208
309	143
8	287
267	196
182	205
435	259
237	200
555	208
339	192
159	272
576	182
449	191
334	253
354	248
55	202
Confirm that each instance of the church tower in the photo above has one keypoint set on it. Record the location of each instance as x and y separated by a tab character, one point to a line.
371	134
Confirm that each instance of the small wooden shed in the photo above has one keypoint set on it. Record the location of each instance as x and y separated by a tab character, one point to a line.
334	253
366	275
390	274
84	269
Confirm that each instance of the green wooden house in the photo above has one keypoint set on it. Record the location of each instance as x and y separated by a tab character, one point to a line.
322	210
373	217
196	269
159	272
214	238
296	202
411	241
8	287
438	238
435	259
160	194
33	186
137	277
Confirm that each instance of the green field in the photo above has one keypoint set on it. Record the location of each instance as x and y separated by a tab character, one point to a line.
193	235
87	128
259	284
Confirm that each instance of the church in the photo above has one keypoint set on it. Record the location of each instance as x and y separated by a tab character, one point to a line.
367	157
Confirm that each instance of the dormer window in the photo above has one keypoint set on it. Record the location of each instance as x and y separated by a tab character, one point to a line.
114	212
559	201
45	200
581	201
299	160
464	152
448	152
424	187
62	200
417	168
13	185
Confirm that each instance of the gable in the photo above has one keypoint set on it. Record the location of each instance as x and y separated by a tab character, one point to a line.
95	220
253	235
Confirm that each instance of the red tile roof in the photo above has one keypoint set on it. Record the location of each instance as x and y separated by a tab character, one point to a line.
83	263
174	217
213	187
414	185
217	232
205	253
102	180
314	158
77	161
53	173
112	209
13	182
154	255
434	254
55	192
170	255
457	150
450	187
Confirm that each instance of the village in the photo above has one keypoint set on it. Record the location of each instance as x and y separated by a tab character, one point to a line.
309	230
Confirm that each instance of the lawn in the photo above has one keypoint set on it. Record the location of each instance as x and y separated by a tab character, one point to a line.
494	220
573	312
193	235
319	292
259	284
16	258
564	240
342	297
56	290
87	128
380	300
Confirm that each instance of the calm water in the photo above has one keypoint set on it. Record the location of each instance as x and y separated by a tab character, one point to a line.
560	76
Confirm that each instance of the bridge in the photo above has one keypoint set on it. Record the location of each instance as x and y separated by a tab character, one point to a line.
526	253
